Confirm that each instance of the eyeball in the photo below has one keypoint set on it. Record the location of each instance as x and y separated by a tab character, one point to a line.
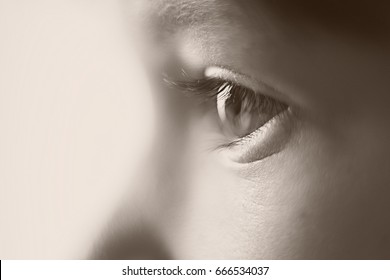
242	111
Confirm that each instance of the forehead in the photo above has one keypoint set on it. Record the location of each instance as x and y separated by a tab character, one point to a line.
174	15
361	19
274	41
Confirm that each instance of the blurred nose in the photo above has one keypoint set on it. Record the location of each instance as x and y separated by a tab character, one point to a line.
140	244
133	232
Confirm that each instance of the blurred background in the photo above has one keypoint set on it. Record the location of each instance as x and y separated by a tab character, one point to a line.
72	95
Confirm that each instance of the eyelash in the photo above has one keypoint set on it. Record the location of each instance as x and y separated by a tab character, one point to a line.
209	89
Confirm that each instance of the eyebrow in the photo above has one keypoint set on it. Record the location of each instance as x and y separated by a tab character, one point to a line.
174	14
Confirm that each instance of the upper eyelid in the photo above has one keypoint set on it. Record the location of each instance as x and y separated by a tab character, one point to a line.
219	75
247	81
204	86
234	77
210	86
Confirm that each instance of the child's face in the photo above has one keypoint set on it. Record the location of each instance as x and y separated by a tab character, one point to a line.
312	178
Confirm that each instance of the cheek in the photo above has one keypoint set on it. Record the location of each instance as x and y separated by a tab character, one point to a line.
324	200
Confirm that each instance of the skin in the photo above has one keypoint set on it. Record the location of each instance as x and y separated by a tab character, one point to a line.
325	193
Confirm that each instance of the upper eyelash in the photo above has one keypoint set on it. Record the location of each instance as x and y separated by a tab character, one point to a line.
209	88
206	86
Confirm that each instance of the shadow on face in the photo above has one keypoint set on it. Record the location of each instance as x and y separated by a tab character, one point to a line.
141	244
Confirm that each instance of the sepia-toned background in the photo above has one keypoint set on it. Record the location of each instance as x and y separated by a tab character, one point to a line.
69	124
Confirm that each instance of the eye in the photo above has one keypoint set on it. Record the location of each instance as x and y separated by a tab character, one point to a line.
242	111
252	124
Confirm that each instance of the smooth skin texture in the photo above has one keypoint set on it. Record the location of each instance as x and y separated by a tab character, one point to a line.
325	194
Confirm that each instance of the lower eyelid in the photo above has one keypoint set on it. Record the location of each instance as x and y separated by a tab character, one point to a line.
262	143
